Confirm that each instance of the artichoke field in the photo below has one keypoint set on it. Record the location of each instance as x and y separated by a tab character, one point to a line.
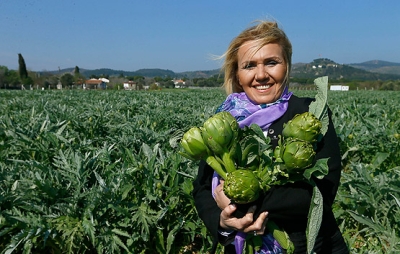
98	171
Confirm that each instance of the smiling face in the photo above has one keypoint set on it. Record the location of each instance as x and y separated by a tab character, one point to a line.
261	72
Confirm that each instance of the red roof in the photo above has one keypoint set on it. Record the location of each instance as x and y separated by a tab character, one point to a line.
93	82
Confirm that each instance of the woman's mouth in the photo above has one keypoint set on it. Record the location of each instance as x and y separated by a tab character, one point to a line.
262	87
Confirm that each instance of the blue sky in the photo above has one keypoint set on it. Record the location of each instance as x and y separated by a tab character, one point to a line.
184	35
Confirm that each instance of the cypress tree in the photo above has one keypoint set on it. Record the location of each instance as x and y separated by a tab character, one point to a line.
23	73
76	71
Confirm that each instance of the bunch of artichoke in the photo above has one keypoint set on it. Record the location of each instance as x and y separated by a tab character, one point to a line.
244	157
231	152
297	148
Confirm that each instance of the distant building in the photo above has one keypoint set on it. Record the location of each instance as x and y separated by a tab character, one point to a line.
95	84
179	83
130	85
339	88
104	80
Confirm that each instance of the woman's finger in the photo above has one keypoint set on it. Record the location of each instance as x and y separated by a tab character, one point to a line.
258	225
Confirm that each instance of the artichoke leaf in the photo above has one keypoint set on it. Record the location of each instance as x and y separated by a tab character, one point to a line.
263	140
250	150
187	156
314	218
258	131
319	107
253	145
319	170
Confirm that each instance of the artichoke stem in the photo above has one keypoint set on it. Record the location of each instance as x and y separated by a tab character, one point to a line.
214	164
228	162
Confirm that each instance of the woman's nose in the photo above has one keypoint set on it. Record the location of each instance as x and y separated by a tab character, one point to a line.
261	73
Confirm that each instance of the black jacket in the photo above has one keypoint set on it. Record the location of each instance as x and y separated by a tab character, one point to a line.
287	205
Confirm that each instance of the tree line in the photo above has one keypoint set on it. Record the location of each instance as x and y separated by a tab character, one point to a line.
24	79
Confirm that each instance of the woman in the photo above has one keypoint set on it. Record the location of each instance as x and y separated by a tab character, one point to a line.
257	66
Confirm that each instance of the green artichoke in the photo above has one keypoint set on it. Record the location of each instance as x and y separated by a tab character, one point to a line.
242	186
220	131
193	144
297	154
303	126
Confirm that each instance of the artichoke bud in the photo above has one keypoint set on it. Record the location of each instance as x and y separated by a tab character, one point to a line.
242	186
297	154
217	132
213	145
303	126
193	144
232	123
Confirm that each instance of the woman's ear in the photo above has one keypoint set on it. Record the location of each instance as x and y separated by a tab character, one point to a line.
238	80
237	86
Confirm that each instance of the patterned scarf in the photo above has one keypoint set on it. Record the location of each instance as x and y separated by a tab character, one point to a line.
247	113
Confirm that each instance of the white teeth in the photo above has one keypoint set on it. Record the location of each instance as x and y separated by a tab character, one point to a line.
262	87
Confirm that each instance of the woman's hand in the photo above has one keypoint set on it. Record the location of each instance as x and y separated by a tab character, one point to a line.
220	197
244	224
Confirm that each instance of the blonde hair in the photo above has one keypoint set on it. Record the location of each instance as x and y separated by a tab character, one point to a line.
264	32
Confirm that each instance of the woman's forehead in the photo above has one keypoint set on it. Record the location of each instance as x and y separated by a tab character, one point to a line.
251	48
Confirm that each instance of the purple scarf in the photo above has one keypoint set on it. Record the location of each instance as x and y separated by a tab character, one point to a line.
247	113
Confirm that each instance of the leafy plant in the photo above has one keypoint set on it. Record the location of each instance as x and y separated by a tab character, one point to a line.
97	171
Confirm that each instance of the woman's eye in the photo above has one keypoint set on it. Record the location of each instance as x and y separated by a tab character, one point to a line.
248	66
271	63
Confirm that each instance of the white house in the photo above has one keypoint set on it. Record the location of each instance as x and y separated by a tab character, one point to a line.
178	83
339	88
129	85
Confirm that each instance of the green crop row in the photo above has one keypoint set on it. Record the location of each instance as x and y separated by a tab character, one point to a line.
98	171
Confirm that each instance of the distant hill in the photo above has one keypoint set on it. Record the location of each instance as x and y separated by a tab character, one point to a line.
379	66
327	67
110	72
105	72
199	74
155	73
371	70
